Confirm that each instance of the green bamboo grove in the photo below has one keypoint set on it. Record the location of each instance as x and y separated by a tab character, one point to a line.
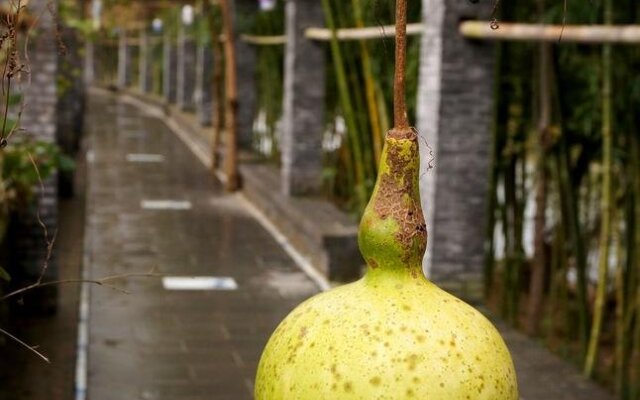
565	179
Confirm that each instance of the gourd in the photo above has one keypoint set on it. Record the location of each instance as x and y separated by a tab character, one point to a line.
393	334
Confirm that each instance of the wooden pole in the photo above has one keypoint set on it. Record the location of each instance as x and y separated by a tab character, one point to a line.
218	102
231	109
594	34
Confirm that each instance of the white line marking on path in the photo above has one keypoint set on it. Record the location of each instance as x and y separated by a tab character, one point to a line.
175	205
183	283
145	158
301	261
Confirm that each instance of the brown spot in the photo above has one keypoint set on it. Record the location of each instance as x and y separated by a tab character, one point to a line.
375	381
395	198
372	263
412	360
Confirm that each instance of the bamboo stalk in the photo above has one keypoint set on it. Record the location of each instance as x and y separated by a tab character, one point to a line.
231	108
264	40
346	103
634	286
619	345
374	117
538	278
607	189
498	132
571	220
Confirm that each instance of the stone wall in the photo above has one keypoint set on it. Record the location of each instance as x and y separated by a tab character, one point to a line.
186	70
204	84
169	68
455	114
39	122
303	109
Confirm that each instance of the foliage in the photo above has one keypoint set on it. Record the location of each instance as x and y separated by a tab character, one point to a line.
270	81
19	174
359	115
577	174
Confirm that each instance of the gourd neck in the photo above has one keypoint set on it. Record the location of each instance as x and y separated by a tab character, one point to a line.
393	235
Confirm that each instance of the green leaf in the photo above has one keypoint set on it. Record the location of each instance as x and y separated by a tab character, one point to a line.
66	163
4	275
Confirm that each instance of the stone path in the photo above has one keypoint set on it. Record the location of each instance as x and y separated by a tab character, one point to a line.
156	344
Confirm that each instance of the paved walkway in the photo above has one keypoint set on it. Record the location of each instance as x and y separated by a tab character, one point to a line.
157	344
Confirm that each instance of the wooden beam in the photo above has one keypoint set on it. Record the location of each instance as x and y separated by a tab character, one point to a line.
593	34
376	32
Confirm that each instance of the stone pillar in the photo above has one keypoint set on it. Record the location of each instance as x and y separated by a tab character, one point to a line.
124	61
89	62
303	108
39	120
186	70
71	104
146	74
454	116
246	61
204	82
169	69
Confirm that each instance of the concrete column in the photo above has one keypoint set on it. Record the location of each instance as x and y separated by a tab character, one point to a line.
71	104
246	61
124	61
186	70
303	108
89	62
39	120
204	82
169	69
146	74
454	115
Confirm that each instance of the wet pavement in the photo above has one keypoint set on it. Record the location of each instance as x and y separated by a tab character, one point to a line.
157	344
152	206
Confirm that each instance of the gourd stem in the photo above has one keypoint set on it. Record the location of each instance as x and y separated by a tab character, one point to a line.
399	101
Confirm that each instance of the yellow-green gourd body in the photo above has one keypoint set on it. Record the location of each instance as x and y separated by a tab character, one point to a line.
393	334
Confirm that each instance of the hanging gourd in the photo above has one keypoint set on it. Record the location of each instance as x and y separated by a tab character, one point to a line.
393	334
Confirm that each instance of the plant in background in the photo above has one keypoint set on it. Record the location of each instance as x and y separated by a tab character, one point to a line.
25	164
571	133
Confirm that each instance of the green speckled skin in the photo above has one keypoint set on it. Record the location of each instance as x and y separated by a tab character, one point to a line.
393	334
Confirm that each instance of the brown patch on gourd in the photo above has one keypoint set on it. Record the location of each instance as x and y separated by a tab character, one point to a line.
395	197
